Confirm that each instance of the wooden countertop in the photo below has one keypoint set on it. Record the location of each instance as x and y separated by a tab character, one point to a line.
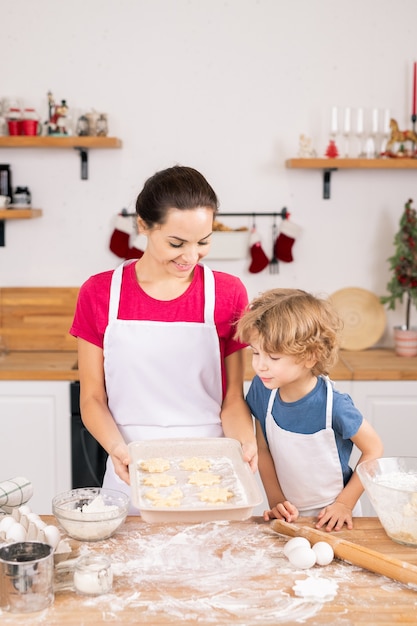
38	366
373	364
225	573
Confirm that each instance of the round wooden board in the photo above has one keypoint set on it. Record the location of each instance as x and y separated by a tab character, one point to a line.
363	317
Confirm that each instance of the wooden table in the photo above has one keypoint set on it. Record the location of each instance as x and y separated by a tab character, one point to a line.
225	573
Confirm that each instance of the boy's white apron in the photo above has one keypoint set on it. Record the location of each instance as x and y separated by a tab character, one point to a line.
302	459
163	379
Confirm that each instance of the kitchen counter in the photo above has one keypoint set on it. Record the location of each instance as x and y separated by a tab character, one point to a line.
225	573
372	364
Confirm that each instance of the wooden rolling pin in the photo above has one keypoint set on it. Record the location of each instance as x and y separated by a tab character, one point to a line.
353	553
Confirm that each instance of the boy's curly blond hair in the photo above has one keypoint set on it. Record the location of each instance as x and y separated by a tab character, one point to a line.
293	322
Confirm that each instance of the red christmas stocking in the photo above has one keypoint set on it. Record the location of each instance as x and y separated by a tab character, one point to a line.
119	241
285	241
138	247
258	256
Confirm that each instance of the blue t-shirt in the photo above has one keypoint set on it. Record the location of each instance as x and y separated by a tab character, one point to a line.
308	415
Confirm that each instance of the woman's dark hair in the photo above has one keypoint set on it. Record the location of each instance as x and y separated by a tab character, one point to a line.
176	187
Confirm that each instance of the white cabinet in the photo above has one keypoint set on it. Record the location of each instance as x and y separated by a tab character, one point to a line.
35	435
391	408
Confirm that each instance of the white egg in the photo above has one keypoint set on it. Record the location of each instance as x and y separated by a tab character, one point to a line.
295	542
302	557
324	553
6	522
24	509
52	535
16	533
35	519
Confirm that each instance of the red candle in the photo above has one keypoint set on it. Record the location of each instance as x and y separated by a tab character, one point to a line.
414	88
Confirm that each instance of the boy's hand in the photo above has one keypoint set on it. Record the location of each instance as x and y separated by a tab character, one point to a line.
282	510
335	516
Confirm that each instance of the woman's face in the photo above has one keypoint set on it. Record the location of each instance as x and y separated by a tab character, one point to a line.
182	241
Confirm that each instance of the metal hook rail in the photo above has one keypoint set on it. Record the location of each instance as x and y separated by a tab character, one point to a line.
283	214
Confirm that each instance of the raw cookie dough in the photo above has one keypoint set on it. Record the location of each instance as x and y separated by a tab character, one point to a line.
215	495
158	499
203	478
316	589
195	464
159	480
156	464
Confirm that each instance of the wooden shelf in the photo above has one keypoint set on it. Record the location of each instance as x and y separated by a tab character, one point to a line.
49	141
366	164
15	214
82	144
331	165
19	214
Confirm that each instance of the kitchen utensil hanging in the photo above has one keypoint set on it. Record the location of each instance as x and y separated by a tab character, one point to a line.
273	263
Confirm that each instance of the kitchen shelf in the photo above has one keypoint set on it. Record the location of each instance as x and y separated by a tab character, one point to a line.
331	165
50	141
15	214
82	144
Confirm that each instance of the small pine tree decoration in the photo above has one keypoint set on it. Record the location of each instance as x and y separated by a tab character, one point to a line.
404	264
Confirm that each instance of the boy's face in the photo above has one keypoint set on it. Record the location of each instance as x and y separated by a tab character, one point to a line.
277	370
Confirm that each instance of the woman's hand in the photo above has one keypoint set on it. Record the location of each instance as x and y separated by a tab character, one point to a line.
250	454
119	454
282	510
335	516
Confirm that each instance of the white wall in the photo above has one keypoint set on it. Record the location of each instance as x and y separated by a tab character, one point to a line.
226	87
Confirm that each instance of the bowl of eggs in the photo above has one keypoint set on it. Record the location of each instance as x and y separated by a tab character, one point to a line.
391	485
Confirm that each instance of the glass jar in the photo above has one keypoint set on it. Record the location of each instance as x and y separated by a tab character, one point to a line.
22	197
14	121
93	575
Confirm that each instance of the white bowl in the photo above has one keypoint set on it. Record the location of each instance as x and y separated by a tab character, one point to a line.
391	485
90	513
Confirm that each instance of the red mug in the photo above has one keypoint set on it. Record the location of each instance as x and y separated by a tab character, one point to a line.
15	127
30	127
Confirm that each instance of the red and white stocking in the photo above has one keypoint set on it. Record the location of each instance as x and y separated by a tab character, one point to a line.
285	241
119	240
138	247
259	260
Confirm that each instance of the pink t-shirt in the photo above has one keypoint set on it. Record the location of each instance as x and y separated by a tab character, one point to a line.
91	314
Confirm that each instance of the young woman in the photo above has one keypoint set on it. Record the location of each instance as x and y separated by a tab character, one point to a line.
305	429
156	349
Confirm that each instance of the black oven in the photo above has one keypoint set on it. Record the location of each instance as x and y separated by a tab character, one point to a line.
88	458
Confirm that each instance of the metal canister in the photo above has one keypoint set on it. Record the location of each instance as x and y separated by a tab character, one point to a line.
26	577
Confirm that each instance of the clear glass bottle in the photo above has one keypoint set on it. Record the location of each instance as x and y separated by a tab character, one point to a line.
93	575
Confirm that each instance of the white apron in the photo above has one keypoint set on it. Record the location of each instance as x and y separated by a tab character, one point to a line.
300	458
163	379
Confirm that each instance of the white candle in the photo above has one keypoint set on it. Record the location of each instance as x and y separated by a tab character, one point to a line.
346	125
334	125
359	121
375	121
387	118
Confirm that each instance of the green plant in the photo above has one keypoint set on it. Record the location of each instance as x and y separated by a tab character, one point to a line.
404	264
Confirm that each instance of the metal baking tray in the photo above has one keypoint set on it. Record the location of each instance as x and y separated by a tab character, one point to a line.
225	458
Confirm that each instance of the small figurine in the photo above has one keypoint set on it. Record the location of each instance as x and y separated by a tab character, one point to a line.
398	136
59	120
306	150
331	151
